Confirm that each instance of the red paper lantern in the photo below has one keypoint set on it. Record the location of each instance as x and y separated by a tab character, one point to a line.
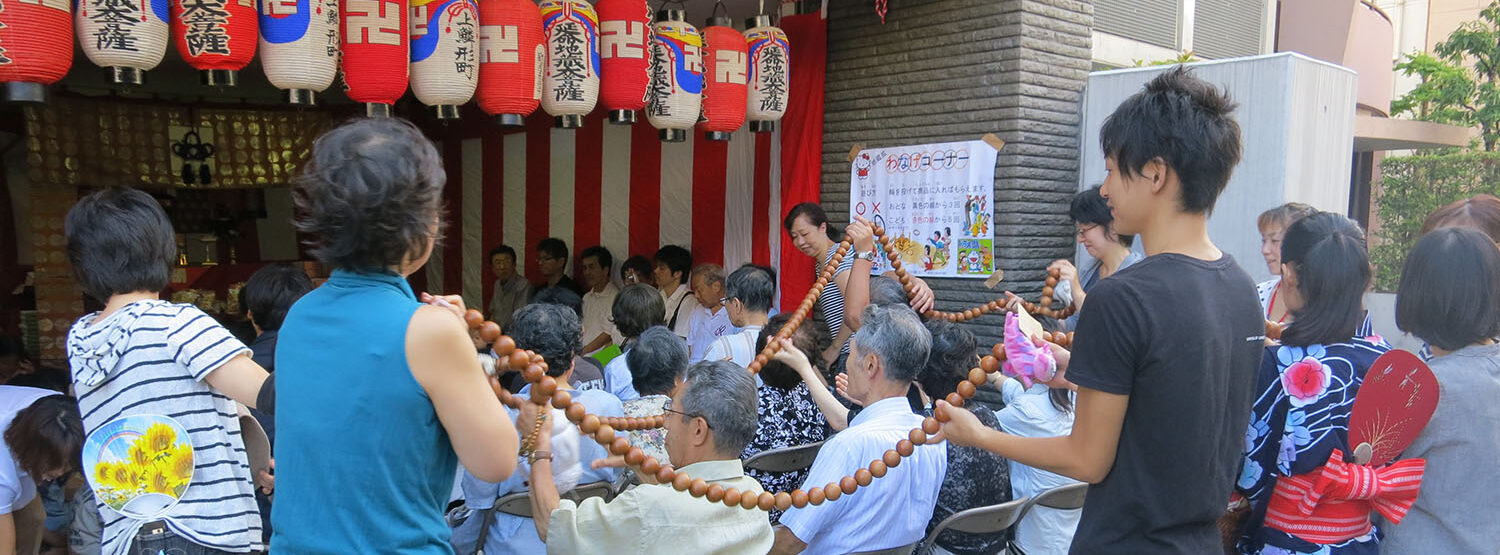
624	36
725	55
216	37
375	52
511	57
36	47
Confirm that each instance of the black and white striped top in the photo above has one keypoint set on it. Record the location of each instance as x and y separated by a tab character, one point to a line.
152	357
831	302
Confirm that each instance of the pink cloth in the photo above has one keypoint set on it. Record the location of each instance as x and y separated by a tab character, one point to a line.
1023	359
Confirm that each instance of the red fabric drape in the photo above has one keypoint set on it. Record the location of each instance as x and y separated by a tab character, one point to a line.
802	142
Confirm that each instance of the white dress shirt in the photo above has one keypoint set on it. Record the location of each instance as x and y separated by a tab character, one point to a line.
597	310
892	511
706	326
1030	413
738	348
682	300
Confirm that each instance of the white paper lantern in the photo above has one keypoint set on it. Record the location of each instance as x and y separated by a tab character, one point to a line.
675	98
570	84
299	46
770	73
444	53
127	39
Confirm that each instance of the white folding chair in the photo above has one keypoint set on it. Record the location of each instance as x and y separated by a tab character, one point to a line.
1066	497
785	459
979	520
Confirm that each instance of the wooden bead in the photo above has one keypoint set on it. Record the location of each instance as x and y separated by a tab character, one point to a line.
848	485
681	482
998	350
931	314
649	466
698	488
891	459
799	499
1046	293
605	435
815	496
749	500
665	474
917	436
589	425
620	446
1051	281
533	373
473	318
940	416
783	501
489	332
978	376
954	399
1047	301
905	279
970	314
577	412
905	448
893	256
518	360
908	286
895	263
635	457
832	491
966	389
1054	273
562	399
931	425
878	469
717	493
504	346
545	386
767	501
863	477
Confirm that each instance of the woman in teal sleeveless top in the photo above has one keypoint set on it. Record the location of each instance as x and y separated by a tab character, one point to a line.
379	394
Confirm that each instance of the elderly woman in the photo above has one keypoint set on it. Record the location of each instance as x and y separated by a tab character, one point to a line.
635	309
368	372
787	414
657	361
1273	224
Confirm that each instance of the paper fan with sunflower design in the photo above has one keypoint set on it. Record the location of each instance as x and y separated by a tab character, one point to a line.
139	465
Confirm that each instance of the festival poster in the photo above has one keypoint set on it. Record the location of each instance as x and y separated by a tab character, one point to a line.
139	465
934	201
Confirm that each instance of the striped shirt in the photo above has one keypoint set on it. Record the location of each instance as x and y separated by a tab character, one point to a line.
151	358
831	302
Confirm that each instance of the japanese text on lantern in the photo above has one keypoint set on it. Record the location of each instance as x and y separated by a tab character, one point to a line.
331	10
569	68
729	67
499	44
462	21
773	85
622	39
661	80
374	22
116	19
206	22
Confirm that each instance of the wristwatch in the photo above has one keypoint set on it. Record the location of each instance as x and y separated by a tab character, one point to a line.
535	456
867	256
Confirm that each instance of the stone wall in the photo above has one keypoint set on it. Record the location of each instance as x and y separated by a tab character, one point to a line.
948	70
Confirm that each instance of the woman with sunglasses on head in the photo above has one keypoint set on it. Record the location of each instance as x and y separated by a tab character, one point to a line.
1305	391
1110	251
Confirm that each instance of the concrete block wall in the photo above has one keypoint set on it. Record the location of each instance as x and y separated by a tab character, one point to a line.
949	70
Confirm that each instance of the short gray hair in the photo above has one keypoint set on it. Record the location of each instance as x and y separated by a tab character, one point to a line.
885	290
752	286
656	360
711	273
724	395
895	335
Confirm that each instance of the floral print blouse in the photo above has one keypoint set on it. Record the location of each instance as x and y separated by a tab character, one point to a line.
651	441
787	418
1300	416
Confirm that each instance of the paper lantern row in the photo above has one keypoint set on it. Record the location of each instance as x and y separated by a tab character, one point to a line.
512	55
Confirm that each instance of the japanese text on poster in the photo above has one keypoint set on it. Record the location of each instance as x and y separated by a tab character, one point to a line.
934	202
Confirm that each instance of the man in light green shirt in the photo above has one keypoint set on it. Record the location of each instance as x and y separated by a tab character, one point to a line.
711	419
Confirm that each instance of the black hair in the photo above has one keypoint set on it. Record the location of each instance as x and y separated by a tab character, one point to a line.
503	249
1185	122
599	253
752	286
657	359
1327	251
815	216
885	290
371	195
676	259
1089	207
47	436
1060	397
119	241
550	330
270	292
953	354
811	340
636	308
553	248
1450	289
639	264
561	296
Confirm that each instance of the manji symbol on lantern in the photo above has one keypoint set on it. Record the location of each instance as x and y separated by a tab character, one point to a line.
512	53
299	46
570	87
36	47
216	37
625	70
676	94
375	53
444	53
125	37
770	71
724	55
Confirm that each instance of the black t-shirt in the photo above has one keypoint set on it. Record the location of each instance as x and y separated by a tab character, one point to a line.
1183	338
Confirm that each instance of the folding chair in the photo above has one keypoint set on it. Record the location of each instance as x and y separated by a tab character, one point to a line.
979	520
1062	497
519	503
785	459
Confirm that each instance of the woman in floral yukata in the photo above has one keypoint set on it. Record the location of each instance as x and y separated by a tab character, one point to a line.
1307	386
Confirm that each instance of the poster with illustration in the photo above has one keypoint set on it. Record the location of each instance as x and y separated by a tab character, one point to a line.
934	201
139	465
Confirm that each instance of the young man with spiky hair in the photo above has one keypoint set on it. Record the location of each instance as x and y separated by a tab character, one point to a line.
1166	350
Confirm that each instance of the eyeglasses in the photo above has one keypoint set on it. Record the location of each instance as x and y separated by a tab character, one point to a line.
686	415
1086	228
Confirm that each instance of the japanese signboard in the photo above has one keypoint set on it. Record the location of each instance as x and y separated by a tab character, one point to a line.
934	201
